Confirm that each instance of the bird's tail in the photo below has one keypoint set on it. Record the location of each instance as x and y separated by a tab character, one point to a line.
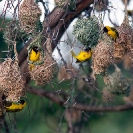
73	54
31	66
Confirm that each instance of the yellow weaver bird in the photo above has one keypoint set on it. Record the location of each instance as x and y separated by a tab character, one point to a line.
34	56
111	32
83	55
14	107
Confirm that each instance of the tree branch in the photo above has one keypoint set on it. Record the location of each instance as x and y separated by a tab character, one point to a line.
48	94
57	14
22	56
56	99
56	20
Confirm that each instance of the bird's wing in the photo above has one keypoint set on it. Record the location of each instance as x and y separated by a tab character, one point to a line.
115	31
83	53
7	104
112	28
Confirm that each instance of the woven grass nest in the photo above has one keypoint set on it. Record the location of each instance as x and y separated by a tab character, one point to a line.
117	83
11	83
29	14
124	44
87	31
2	110
102	56
44	73
13	33
71	4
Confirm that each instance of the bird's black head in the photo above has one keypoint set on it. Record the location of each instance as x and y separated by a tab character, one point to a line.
105	29
87	49
22	101
35	48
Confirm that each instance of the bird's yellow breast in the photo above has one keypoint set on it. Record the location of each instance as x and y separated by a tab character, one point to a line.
34	56
112	34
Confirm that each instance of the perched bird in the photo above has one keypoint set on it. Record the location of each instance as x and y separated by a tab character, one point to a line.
34	56
111	32
83	55
14	107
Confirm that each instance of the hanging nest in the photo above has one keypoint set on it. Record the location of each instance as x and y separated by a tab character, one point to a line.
119	51
102	56
117	83
11	83
127	62
87	31
2	110
42	74
13	33
45	72
69	4
29	14
124	44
